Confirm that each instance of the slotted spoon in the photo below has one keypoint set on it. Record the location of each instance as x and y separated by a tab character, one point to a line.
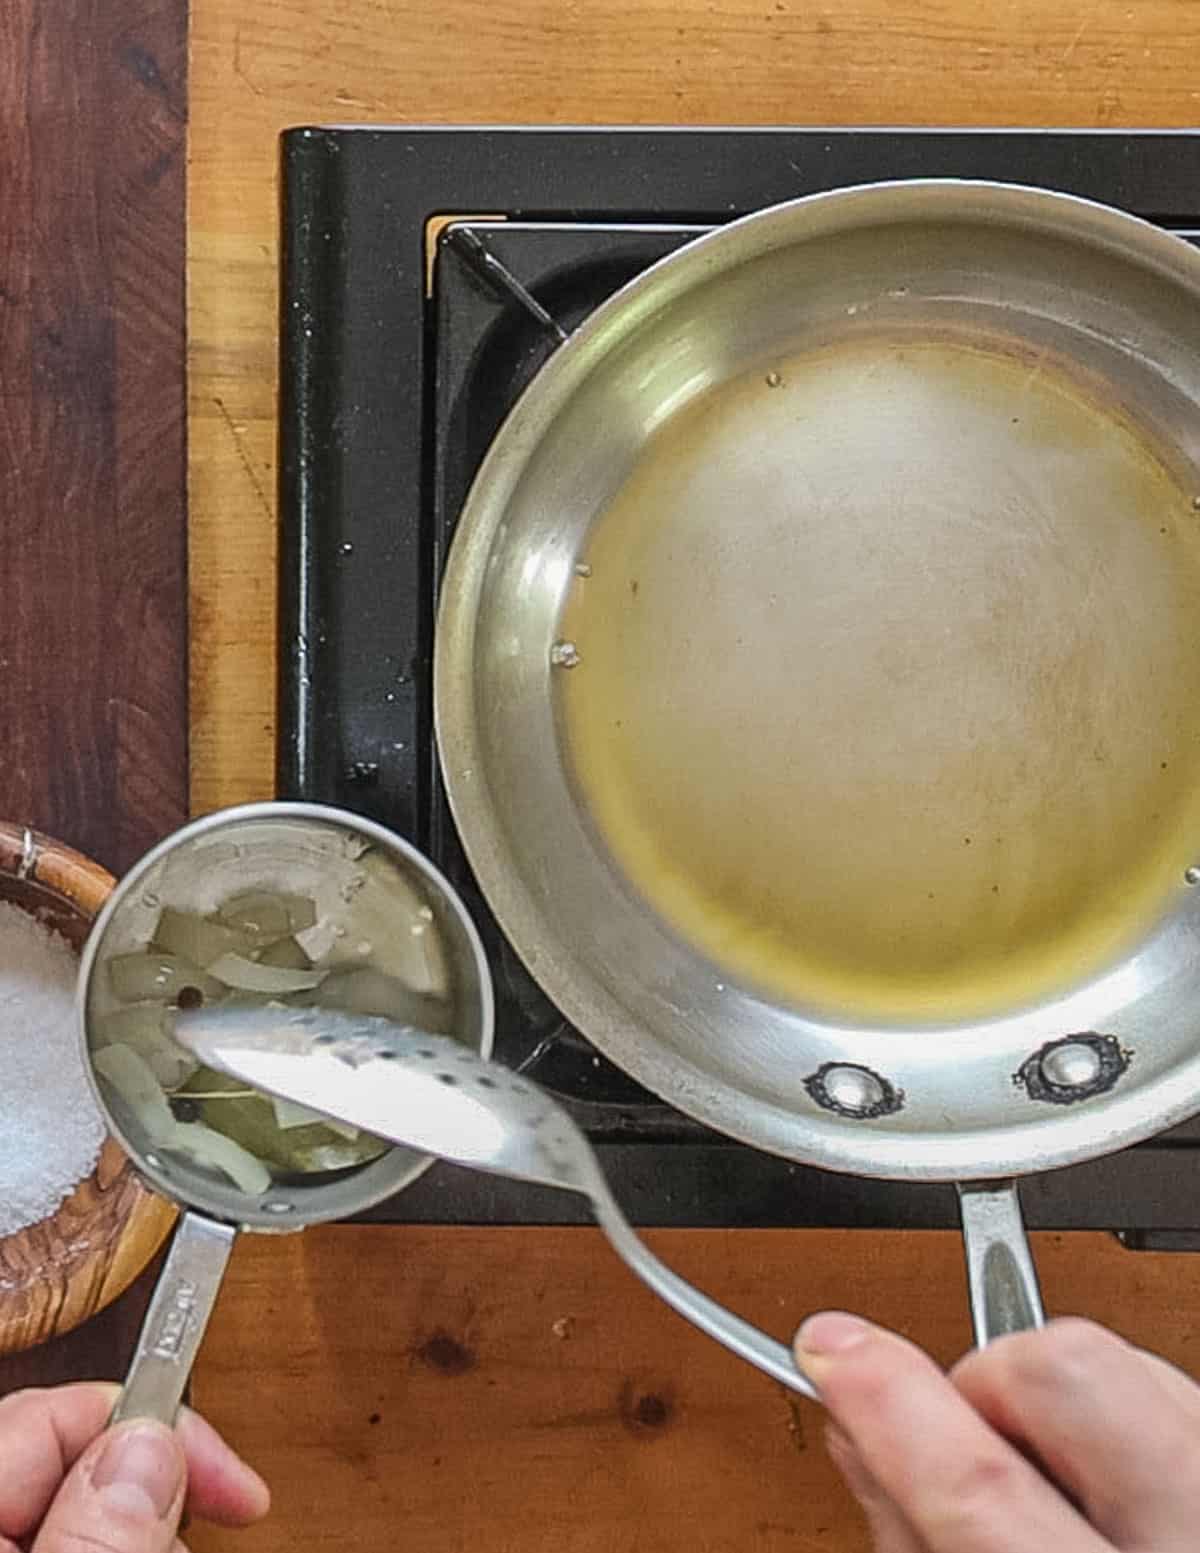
428	1092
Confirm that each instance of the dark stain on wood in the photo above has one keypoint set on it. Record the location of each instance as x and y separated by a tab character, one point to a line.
159	167
92	434
795	1422
446	1354
143	67
645	1411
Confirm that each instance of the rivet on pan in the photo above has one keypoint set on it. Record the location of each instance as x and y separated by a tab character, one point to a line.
564	655
773	379
1073	1068
1071	1065
279	1206
1192	874
852	1090
582	569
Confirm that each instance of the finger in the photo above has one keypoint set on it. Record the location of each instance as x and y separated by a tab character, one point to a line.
42	1434
890	1532
221	1486
1182	1387
1120	1434
124	1494
958	1484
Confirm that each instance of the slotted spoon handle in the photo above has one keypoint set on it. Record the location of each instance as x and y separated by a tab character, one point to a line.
747	1341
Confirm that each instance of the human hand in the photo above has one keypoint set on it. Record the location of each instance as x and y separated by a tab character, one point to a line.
68	1484
943	1464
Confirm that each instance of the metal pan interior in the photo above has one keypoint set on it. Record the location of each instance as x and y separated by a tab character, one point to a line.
831	689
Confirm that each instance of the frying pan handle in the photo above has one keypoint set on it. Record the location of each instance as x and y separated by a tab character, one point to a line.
179	1309
1002	1279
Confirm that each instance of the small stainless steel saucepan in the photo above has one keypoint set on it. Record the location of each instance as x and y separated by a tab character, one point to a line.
297	848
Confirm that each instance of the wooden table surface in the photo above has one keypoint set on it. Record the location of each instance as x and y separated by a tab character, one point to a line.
512	1389
93	645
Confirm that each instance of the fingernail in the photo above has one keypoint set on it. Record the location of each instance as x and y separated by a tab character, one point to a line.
832	1332
140	1471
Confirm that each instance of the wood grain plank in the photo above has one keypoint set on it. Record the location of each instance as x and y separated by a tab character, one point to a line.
146	70
92	638
93	600
517	1390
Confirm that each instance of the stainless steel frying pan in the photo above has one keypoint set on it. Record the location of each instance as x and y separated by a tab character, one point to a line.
818	687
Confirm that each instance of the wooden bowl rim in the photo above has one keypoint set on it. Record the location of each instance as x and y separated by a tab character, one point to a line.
26	853
83	885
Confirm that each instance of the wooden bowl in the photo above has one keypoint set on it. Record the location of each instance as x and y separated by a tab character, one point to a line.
56	1274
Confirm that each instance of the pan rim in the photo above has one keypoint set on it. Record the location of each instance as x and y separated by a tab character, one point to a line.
1055	1136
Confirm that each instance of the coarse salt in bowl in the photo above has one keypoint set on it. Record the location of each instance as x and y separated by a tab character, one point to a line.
76	1224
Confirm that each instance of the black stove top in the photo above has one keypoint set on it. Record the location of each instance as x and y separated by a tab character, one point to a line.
427	276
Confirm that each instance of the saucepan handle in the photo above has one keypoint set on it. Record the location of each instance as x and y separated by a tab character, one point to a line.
182	1302
1001	1277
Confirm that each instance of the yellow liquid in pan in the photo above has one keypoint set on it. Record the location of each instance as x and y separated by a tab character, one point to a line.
889	691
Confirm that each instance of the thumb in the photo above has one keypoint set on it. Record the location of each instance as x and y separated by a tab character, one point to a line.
123	1495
